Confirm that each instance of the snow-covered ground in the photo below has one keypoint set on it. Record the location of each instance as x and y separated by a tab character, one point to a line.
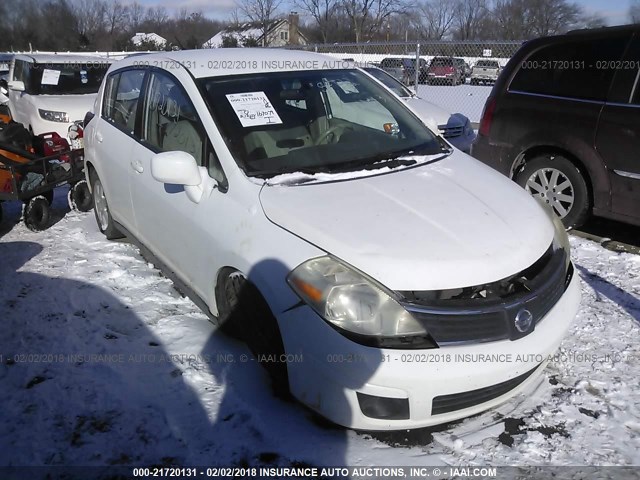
104	363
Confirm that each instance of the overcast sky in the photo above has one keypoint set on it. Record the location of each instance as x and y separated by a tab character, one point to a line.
614	11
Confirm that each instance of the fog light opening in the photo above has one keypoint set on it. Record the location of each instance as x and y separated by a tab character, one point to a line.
383	408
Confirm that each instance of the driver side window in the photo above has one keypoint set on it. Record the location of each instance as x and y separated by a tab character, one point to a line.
170	121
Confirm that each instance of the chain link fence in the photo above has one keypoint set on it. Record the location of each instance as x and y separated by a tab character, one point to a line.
454	75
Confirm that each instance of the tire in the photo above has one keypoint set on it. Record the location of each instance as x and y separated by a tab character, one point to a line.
542	175
245	314
80	197
37	214
101	210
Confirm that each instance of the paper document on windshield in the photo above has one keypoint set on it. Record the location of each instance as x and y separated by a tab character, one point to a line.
50	77
253	108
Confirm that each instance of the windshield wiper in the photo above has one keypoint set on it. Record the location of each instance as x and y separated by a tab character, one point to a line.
380	160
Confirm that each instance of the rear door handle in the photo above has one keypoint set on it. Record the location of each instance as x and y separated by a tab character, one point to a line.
99	137
137	166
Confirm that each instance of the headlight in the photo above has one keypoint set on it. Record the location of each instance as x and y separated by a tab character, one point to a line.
53	116
350	301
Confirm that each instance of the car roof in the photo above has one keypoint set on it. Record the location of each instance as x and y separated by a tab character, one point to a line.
62	58
600	30
218	62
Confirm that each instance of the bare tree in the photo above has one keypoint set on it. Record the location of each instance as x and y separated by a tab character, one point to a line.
157	16
136	15
116	16
436	18
469	17
634	11
368	16
549	17
322	12
262	12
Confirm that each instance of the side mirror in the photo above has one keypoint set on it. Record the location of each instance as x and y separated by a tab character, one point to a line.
180	168
17	86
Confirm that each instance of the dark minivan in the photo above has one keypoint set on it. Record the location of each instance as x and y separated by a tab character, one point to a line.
563	121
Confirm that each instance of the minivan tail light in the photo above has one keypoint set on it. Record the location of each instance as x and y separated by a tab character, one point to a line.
487	117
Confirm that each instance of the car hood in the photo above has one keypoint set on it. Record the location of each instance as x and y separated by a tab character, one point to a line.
447	224
75	105
427	110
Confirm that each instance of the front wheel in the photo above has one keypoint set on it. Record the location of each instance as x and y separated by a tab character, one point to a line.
101	210
560	184
245	314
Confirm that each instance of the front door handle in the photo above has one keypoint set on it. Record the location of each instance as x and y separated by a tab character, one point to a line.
137	166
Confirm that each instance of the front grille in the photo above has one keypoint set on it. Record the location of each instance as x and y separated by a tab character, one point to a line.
487	313
450	132
460	401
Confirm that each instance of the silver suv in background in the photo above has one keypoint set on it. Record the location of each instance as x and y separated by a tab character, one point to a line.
485	71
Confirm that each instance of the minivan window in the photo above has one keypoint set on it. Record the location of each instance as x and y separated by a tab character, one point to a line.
350	122
170	121
580	69
66	78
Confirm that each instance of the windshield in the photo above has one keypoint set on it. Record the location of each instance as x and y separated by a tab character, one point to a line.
390	82
314	121
66	78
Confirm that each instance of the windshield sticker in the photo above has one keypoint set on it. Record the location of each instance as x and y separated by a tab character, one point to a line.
50	77
253	108
83	76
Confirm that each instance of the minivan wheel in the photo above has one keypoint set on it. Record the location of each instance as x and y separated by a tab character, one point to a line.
101	209
245	314
560	184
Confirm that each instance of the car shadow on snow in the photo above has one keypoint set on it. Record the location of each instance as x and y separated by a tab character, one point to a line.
86	383
602	287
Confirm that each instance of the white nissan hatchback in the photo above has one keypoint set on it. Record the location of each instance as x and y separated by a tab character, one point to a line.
385	279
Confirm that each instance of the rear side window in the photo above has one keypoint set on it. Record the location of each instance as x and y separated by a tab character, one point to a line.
122	94
581	68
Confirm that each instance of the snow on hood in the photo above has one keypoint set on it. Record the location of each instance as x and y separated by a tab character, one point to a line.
445	224
301	177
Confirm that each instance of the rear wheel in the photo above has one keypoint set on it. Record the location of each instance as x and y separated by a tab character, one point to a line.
37	214
245	314
560	184
101	210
